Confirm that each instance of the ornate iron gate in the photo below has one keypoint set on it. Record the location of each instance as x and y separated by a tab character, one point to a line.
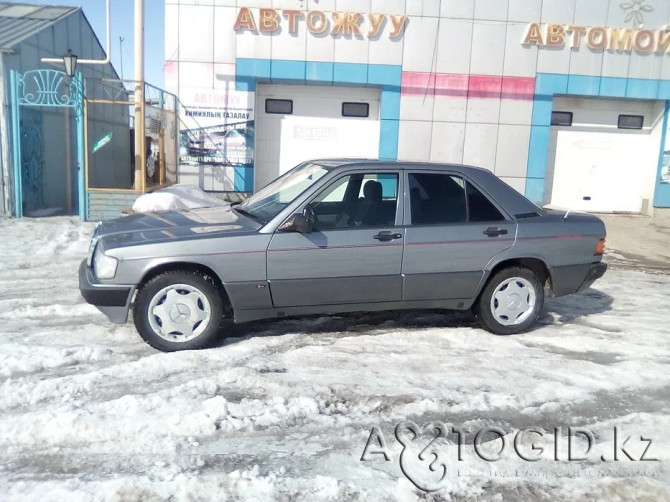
32	160
43	88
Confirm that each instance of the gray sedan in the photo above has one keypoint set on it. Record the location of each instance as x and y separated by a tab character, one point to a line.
340	236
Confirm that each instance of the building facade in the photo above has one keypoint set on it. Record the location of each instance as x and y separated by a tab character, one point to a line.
565	100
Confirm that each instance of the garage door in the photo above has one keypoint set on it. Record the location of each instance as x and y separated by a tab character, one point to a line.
297	123
604	152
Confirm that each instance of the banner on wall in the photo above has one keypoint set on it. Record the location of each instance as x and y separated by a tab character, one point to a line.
217	127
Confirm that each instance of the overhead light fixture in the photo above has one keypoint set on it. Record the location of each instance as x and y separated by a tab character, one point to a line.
70	62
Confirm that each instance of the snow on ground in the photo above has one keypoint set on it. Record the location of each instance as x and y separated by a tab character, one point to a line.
283	410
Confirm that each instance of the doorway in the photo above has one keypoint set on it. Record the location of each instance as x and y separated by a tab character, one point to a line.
48	143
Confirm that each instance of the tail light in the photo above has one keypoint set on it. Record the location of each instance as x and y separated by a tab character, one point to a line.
600	248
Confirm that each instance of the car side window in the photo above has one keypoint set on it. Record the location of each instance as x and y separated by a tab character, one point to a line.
357	200
444	198
437	199
480	208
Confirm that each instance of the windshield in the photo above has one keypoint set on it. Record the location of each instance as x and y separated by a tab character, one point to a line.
270	200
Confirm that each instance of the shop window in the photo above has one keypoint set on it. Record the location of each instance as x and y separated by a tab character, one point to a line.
355	110
630	122
280	106
561	118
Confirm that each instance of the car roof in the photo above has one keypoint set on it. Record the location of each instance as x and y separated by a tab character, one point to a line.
394	164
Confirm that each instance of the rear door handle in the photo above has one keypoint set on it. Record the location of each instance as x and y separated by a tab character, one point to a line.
495	231
386	236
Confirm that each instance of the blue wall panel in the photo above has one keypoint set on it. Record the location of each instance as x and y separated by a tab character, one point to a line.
642	88
551	83
664	89
287	70
582	85
388	139
381	74
613	86
244	179
316	71
535	188
389	108
662	190
350	73
537	151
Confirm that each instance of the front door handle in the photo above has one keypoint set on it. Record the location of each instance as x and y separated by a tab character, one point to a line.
386	236
495	231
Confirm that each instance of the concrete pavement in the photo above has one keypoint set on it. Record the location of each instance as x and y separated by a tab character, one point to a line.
635	241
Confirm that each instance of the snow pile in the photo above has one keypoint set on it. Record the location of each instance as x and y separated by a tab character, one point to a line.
175	198
282	409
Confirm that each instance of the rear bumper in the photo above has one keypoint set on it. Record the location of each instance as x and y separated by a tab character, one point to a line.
569	279
113	300
596	271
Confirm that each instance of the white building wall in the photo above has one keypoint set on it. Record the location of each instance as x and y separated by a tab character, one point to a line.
468	82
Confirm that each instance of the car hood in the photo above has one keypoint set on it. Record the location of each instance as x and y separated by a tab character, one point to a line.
141	228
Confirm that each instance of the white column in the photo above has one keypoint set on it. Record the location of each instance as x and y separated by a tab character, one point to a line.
139	95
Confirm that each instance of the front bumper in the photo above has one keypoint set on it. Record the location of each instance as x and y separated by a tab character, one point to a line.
113	300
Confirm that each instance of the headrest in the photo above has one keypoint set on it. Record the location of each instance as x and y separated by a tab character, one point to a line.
372	190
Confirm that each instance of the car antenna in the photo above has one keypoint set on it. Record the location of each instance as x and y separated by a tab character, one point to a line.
588	175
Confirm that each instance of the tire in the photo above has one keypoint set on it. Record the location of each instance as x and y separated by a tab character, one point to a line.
179	310
511	301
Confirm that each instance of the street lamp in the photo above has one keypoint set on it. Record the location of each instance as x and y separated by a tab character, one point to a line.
70	62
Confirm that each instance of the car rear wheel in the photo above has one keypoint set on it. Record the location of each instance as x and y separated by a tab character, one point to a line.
511	301
179	310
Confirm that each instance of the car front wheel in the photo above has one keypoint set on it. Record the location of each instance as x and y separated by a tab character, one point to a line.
179	310
511	301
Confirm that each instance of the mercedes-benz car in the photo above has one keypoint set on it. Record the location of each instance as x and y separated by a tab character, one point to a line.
342	235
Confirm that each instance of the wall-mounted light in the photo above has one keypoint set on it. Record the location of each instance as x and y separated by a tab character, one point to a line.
70	62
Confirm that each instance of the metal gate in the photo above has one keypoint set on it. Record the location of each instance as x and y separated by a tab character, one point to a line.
43	88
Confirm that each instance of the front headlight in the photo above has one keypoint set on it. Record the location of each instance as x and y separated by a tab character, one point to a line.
91	246
104	266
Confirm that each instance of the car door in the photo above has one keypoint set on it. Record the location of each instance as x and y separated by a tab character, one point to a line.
452	231
353	254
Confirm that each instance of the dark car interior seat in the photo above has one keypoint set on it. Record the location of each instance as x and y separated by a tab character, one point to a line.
371	210
447	204
416	205
444	200
372	203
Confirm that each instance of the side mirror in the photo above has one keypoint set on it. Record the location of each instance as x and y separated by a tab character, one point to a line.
308	213
297	223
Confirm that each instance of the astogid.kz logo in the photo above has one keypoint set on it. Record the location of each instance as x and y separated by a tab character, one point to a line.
428	451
